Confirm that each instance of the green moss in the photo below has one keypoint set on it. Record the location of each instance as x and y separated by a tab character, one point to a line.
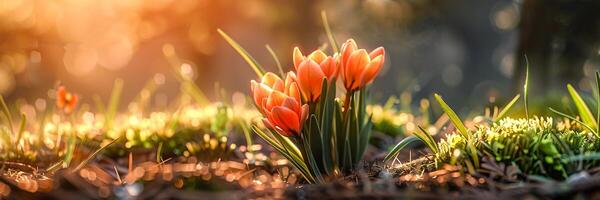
536	146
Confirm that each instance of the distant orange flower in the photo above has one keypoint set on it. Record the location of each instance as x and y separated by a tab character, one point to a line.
66	100
280	103
358	67
311	71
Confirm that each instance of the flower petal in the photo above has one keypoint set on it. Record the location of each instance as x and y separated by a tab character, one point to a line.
303	114
290	78
297	57
294	92
270	79
347	49
355	67
318	56
372	70
260	93
61	92
279	86
329	68
286	119
310	78
379	51
276	98
292	104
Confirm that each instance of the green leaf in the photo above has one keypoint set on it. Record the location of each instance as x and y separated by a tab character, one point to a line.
453	117
583	110
287	149
266	137
507	107
330	35
326	113
338	137
362	133
427	139
295	155
311	142
347	140
347	159
365	134
247	57
473	153
354	136
315	140
396	149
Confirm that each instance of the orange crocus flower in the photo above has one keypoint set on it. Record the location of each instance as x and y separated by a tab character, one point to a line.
280	103
311	71
66	100
358	67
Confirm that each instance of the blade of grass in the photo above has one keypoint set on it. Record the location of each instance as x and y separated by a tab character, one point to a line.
452	115
574	119
189	88
591	156
7	114
583	110
113	104
390	103
323	47
99	105
247	57
525	87
276	59
401	145
507	107
54	166
159	153
70	150
330	35
91	156
598	102
118	175
21	128
247	134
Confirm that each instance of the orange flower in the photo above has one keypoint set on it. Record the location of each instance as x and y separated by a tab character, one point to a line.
66	100
359	68
280	103
311	71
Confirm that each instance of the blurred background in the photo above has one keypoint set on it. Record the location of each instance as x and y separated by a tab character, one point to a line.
470	51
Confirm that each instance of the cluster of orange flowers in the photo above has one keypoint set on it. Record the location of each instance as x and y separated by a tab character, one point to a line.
66	100
285	103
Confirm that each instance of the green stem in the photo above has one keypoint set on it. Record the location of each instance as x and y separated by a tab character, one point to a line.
347	101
